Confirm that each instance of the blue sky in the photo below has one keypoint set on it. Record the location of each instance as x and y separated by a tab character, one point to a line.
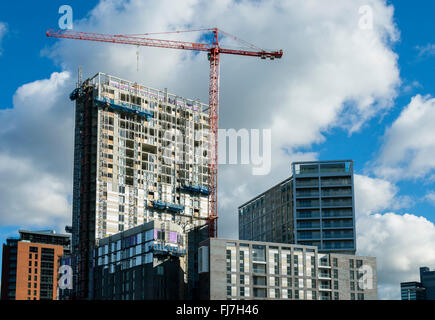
21	62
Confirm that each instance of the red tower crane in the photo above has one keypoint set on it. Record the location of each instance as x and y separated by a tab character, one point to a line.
214	51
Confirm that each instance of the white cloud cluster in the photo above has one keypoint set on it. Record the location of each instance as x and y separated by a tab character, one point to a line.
36	155
408	150
400	243
376	195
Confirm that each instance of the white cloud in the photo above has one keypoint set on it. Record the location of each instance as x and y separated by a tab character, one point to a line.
376	195
400	243
408	150
36	155
3	30
427	50
430	196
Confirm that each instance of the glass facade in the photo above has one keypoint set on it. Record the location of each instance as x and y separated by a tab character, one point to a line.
315	206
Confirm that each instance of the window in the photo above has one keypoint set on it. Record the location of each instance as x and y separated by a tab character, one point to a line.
359	263
259	253
33	249
242	291
335	285
242	279
352	296
277	293
351	263
259	281
228	260
335	262
259	268
336	296
228	278
228	290
360	296
30	256
260	292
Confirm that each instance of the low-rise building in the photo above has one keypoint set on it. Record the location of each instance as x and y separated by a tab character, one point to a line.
147	262
240	269
30	265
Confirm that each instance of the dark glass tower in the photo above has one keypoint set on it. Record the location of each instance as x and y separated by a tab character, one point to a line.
315	206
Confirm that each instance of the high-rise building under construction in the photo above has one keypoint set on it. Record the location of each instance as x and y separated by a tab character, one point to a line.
141	154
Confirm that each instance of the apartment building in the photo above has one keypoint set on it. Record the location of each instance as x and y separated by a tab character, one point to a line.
240	269
30	265
140	155
315	207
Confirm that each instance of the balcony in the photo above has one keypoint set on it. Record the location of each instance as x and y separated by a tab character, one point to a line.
336	193
307	193
343	213
336	181
337	202
339	245
308	225
308	235
325	287
324	275
337	235
307	203
308	214
331	224
307	182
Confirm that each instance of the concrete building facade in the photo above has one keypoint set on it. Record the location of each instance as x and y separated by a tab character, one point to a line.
315	206
238	269
30	265
140	155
